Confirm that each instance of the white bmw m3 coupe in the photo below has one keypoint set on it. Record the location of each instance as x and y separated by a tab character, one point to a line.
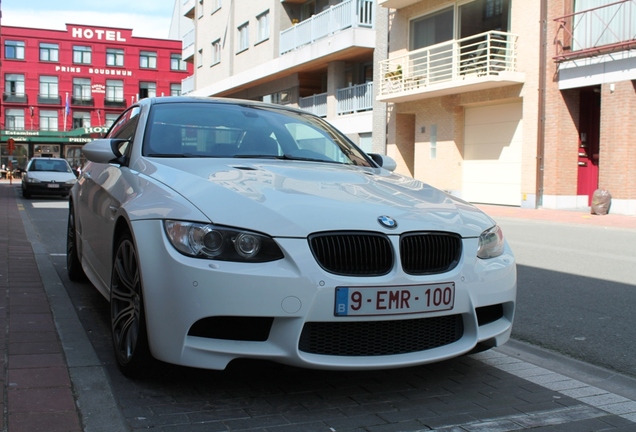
221	229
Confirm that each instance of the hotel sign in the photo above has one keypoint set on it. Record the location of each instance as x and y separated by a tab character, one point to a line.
94	71
98	34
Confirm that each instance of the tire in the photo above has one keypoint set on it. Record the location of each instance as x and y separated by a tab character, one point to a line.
26	194
127	316
73	265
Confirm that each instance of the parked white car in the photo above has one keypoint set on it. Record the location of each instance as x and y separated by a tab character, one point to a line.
47	176
221	229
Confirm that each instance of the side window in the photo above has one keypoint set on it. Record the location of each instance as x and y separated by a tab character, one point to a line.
125	127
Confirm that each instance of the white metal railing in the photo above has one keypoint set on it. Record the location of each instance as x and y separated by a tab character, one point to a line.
187	85
349	13
355	98
483	54
316	104
188	39
609	27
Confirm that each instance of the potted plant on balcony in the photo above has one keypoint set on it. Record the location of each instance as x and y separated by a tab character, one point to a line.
394	78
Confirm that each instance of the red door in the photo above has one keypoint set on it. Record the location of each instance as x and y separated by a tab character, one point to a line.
589	130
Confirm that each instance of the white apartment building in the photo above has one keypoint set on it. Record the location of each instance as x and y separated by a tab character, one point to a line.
316	55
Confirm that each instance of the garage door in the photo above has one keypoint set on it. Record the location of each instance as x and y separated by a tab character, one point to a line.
492	154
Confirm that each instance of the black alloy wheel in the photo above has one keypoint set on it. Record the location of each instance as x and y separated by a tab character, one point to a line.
128	321
73	266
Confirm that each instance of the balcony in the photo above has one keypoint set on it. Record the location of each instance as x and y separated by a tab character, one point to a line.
82	101
354	99
187	47
349	100
13	97
47	99
600	30
188	8
339	17
187	85
483	61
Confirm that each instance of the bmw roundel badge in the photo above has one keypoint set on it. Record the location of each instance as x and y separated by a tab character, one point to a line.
387	222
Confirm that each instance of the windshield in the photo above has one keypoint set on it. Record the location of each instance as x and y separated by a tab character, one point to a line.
239	131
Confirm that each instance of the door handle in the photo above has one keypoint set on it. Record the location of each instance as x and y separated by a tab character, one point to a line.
582	164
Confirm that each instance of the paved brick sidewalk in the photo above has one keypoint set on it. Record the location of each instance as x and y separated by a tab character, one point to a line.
578	216
37	395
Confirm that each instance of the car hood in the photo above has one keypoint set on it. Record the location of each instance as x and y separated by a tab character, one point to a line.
294	199
50	176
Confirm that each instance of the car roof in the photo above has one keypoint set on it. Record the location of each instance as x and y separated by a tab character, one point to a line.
217	100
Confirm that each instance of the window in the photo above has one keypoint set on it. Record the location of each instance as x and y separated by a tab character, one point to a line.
200	58
82	55
216	52
110	119
114	57
14	50
114	91
432	29
200	8
177	63
147	89
48	87
493	8
217	5
49	52
148	60
127	124
82	89
14	84
175	89
14	119
48	120
243	37
313	7
81	119
263	26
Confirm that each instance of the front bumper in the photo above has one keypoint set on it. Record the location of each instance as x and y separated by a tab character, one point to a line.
61	189
294	297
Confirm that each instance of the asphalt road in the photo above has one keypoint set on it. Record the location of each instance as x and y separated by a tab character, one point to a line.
576	290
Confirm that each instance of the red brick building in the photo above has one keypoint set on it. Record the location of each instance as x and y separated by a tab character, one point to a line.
62	88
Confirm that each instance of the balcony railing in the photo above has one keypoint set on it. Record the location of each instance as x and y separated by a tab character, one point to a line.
355	99
482	55
599	30
316	104
187	85
350	100
349	13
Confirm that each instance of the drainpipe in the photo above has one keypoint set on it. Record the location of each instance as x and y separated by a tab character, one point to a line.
541	108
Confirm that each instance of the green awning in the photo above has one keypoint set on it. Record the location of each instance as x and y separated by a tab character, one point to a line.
79	135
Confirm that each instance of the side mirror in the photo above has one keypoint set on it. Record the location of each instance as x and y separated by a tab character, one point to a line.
386	162
103	150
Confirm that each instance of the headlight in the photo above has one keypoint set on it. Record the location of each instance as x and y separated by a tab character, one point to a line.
491	243
71	181
32	180
221	243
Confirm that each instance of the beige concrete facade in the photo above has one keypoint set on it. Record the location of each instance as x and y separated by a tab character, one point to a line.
272	66
412	123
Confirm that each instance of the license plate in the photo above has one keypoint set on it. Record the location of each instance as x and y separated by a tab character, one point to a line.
53	185
393	300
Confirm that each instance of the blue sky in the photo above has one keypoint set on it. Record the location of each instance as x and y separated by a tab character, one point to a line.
147	18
